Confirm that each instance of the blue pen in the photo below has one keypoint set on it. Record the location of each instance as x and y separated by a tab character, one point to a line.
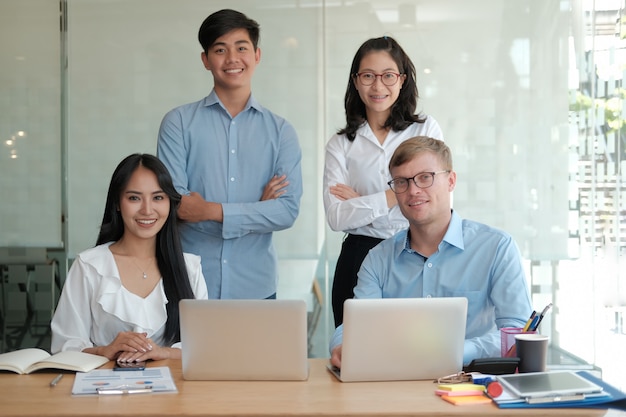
543	313
483	379
534	324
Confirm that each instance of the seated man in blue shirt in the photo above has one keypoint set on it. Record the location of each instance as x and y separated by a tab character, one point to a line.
443	255
236	164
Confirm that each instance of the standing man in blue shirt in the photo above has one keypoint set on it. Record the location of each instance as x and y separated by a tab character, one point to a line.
443	255
236	164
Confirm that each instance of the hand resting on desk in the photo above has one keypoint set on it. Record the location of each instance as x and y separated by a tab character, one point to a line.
134	347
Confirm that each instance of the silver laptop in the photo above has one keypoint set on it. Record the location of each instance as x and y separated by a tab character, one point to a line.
394	339
244	340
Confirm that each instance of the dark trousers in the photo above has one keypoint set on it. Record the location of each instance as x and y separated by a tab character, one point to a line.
353	250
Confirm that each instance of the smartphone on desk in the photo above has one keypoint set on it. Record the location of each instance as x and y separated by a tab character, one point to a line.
129	366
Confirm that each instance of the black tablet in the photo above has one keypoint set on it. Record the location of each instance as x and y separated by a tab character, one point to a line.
548	384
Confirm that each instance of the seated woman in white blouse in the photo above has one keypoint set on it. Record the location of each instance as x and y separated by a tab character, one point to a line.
120	299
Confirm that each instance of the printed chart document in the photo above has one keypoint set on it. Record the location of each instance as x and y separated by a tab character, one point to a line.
107	381
25	361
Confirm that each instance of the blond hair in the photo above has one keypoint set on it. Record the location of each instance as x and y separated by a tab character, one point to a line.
415	145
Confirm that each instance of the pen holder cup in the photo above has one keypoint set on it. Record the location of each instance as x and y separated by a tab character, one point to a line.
507	340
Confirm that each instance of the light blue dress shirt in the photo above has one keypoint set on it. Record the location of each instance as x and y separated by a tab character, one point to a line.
474	261
230	161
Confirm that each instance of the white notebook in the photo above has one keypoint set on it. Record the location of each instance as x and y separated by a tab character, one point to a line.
25	361
394	339
244	339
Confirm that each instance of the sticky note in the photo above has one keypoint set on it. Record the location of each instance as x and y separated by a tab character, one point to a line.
458	393
461	387
466	400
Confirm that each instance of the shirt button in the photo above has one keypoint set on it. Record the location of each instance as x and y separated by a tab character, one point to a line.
430	264
232	179
429	296
225	261
232	151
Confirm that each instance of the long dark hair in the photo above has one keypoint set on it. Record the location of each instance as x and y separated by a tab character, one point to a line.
403	110
169	252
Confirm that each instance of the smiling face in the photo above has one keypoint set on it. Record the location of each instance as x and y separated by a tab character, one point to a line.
425	206
232	60
143	205
378	97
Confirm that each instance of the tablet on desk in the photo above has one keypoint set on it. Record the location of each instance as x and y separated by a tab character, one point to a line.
538	385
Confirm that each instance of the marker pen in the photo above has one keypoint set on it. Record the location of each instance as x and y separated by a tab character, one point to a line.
494	389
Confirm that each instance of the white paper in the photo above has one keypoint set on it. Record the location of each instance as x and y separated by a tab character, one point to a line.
158	378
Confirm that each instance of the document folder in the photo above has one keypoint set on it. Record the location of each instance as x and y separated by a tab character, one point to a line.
610	397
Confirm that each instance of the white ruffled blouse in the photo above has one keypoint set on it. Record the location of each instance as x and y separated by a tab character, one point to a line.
94	305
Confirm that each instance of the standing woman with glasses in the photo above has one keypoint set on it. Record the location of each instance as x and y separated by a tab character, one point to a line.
380	103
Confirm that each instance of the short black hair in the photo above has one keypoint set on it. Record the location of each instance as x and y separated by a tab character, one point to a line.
224	21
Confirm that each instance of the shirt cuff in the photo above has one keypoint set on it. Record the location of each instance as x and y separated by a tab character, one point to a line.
337	338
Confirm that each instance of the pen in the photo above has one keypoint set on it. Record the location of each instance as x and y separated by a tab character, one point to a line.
531	325
534	324
56	380
530	320
543	313
125	390
492	386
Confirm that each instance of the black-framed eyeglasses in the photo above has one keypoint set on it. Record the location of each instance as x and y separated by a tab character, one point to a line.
368	78
422	180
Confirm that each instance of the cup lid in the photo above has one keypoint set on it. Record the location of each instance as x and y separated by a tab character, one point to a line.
531	336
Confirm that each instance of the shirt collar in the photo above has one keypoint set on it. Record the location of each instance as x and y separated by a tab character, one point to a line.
453	236
213	99
366	131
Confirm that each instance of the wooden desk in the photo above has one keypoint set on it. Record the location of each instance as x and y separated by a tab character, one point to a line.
321	395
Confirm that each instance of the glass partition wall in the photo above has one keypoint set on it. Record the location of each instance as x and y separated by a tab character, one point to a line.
528	93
